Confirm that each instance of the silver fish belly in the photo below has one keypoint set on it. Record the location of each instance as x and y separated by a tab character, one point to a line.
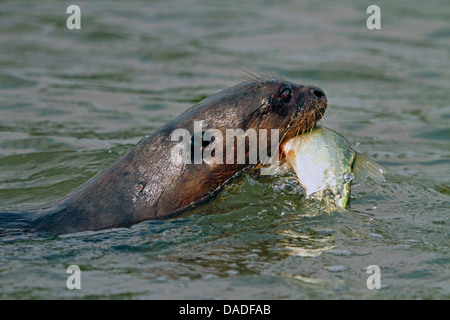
324	160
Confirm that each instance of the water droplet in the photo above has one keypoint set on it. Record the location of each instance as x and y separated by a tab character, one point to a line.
348	177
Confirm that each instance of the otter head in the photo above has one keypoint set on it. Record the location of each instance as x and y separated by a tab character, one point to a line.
291	108
262	103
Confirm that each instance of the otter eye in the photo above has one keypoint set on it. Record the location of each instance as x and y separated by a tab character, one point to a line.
286	95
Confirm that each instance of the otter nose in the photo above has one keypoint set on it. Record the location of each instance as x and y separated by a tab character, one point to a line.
317	93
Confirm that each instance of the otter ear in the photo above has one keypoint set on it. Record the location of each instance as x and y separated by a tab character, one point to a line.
364	167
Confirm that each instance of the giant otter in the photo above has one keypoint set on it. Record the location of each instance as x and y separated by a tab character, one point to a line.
146	184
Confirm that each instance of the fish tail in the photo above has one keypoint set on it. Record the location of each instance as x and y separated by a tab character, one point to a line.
364	167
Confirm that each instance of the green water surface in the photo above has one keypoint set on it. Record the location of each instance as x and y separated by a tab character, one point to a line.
73	101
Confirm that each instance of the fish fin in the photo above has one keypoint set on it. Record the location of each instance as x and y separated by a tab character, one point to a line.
364	167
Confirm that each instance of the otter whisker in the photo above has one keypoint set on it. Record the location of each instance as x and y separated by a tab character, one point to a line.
279	141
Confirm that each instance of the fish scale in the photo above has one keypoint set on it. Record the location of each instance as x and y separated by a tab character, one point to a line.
324	161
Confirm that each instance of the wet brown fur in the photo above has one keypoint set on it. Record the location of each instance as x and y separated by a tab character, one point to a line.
145	184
